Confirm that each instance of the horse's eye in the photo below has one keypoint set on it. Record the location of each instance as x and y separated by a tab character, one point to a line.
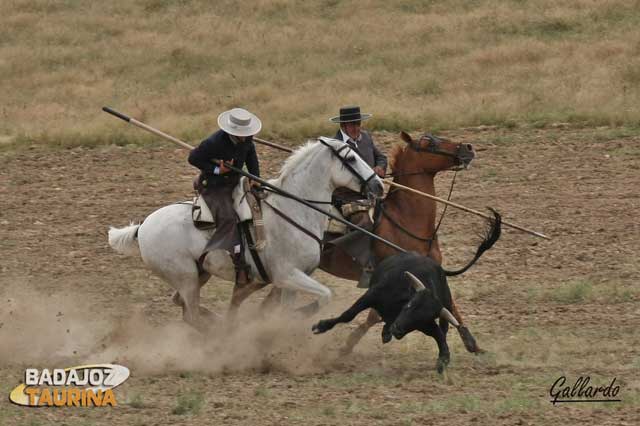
350	159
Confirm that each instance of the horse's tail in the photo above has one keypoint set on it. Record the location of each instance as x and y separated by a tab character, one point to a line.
125	240
492	235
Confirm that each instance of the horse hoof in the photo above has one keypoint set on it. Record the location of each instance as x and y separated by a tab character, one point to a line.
309	309
176	299
346	350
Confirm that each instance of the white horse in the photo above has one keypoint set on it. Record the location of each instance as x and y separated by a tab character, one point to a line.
170	245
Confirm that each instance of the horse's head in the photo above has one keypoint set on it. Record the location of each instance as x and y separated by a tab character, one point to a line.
436	154
348	170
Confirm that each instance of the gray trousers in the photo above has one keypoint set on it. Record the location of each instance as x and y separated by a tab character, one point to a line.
220	202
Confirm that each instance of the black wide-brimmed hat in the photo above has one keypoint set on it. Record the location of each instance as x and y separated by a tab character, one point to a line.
350	114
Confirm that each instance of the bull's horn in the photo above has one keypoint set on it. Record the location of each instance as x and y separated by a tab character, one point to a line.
445	314
415	282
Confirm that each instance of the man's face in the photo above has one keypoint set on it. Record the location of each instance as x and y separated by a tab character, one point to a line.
352	129
238	139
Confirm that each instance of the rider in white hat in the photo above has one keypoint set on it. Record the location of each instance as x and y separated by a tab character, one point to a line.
233	143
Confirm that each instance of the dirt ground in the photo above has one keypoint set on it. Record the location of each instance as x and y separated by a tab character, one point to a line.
542	309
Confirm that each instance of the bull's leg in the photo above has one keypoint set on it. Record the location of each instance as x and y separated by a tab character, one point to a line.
441	340
347	316
356	335
466	336
386	333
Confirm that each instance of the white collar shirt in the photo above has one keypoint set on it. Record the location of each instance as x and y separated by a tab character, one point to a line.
346	138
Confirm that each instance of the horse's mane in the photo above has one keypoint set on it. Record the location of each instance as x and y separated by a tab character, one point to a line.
396	152
298	156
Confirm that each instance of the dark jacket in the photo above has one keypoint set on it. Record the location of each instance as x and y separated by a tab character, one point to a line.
219	146
368	151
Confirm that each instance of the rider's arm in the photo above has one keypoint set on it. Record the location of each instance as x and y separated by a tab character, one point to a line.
379	159
253	166
202	155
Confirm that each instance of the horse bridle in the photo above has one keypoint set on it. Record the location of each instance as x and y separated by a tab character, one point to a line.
345	163
433	147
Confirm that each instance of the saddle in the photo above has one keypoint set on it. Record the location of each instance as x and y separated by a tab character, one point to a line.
246	203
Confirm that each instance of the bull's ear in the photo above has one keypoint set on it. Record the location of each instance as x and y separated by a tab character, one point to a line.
415	282
405	137
445	314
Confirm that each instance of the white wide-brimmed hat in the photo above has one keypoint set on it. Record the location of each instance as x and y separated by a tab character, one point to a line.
239	122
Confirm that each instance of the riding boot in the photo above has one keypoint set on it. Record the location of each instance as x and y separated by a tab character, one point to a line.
242	270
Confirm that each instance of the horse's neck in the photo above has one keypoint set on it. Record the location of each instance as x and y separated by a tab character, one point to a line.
310	182
422	223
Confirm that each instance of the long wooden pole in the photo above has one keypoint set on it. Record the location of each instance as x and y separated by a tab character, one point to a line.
286	149
440	200
466	209
256	178
273	145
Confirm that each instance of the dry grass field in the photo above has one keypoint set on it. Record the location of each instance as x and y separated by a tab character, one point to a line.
415	64
548	92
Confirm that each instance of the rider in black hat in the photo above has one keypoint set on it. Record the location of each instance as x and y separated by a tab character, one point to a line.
348	202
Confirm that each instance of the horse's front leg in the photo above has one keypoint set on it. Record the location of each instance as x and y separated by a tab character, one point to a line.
297	280
240	294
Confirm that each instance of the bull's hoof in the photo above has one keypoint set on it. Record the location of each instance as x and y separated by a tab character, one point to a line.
386	335
442	363
320	327
468	340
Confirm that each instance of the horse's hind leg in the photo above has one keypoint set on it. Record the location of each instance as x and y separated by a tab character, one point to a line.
203	277
190	294
356	335
187	281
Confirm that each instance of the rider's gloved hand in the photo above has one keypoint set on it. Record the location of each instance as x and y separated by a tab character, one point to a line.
221	169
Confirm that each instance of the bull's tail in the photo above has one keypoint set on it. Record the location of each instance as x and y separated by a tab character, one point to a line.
492	235
125	240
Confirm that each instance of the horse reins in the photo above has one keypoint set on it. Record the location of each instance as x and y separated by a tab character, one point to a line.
295	224
434	236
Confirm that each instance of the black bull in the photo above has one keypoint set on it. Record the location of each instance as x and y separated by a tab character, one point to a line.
410	292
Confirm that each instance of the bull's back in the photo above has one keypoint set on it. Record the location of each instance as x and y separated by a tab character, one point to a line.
392	287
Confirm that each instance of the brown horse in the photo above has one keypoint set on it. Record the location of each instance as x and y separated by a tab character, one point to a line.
407	219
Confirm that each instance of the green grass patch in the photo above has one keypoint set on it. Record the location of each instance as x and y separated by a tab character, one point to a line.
573	292
137	401
261	392
188	403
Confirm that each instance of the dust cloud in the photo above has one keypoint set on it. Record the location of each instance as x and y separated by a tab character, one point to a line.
58	331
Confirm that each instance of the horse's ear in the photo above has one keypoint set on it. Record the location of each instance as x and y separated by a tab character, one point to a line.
405	137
